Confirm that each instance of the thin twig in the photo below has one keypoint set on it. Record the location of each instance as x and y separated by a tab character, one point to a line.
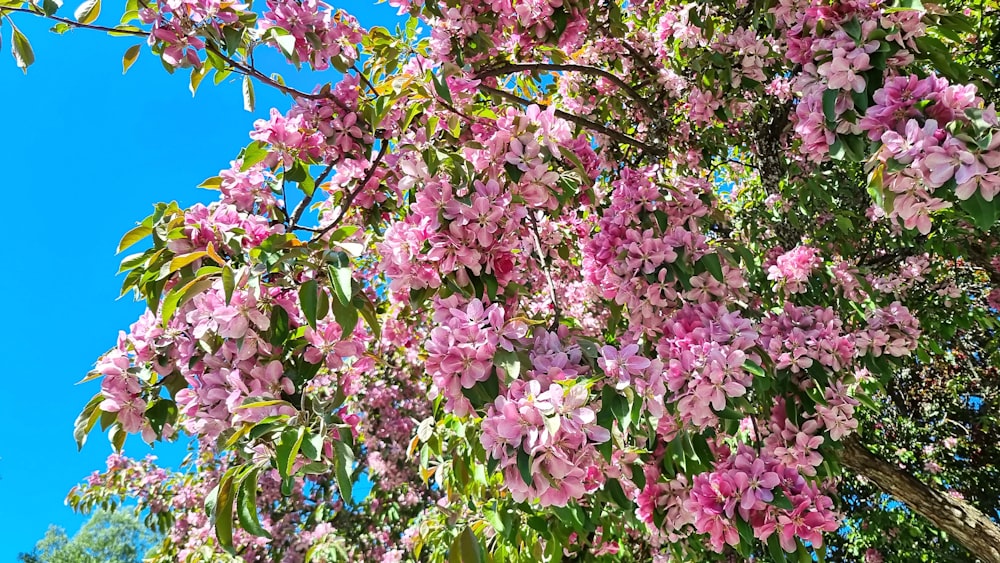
35	12
364	79
239	67
581	121
301	207
511	68
556	311
346	205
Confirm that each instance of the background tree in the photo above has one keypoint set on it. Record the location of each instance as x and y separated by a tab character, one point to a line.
106	537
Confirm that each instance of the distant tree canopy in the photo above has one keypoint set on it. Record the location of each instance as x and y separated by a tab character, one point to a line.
108	537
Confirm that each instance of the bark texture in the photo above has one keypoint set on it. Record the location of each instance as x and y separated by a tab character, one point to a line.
962	521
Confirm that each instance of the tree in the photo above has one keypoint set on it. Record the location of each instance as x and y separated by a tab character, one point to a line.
572	279
107	537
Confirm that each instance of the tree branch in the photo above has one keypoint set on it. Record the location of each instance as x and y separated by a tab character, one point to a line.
511	68
35	12
301	207
346	205
962	521
581	121
556	311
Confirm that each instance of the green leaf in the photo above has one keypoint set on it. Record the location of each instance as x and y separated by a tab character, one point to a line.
178	297
223	513
344	465
618	494
308	300
88	11
254	153
159	413
466	548
246	505
441	87
286	43
712	264
781	501
837	150
340	276
524	466
509	362
87	419
228	282
50	7
774	549
365	306
346	316
561	19
131	54
312	446
23	55
183	260
249	99
984	213
287	449
133	236
830	105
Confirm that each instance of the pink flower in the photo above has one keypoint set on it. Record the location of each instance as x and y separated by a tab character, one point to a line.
622	364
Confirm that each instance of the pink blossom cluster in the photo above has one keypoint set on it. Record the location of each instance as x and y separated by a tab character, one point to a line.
743	485
928	132
220	225
631	257
669	499
177	25
319	33
841	48
461	346
914	119
121	388
797	337
509	26
891	330
707	347
837	413
480	228
315	130
792	269
250	190
557	429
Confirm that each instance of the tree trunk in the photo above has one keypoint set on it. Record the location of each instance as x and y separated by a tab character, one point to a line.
962	521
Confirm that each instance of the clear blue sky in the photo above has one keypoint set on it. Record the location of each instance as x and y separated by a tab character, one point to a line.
87	152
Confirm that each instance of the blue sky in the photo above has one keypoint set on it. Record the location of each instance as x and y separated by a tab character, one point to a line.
87	152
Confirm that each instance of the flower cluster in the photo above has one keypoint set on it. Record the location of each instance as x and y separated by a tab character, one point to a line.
179	24
792	269
318	33
891	330
799	336
556	429
743	485
462	344
320	130
707	347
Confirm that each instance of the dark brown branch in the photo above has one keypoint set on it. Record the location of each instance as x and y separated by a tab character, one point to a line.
239	67
72	23
346	205
249	70
543	260
641	59
301	207
962	521
511	68
581	121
